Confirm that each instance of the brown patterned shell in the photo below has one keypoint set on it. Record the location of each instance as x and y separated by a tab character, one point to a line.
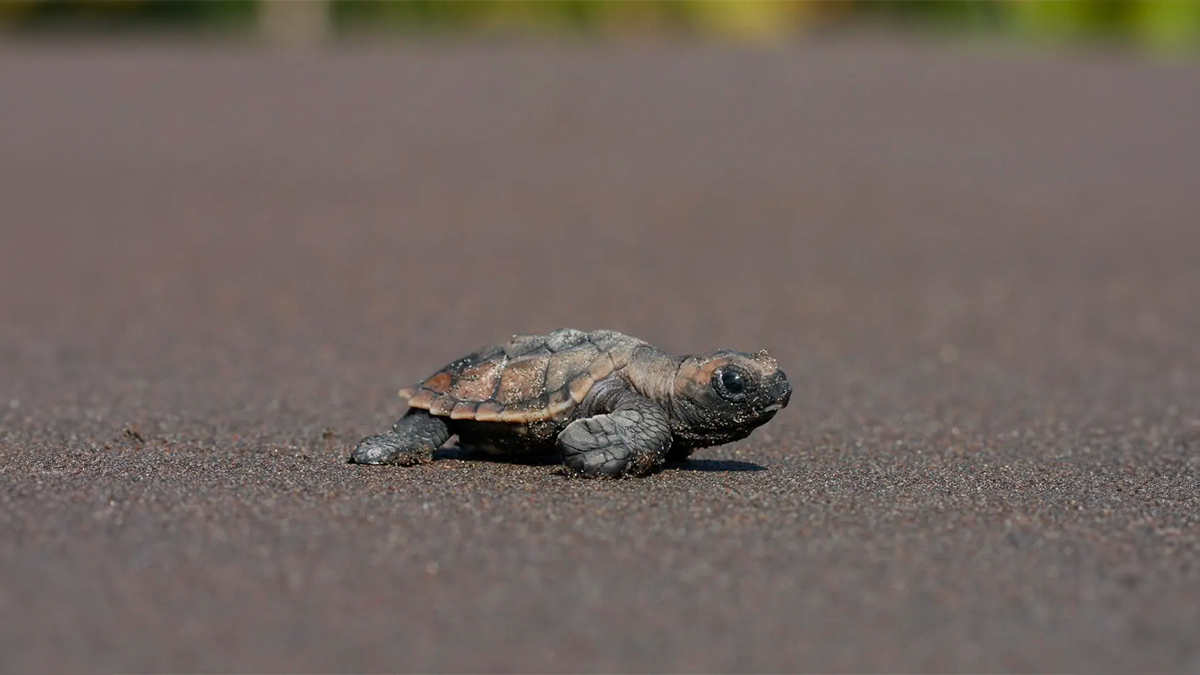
532	378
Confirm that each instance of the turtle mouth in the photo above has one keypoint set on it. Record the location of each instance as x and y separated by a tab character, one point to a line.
783	394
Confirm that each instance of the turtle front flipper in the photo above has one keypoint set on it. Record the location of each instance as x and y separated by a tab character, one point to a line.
410	441
631	439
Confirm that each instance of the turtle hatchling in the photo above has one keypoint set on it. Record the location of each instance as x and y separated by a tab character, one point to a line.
608	403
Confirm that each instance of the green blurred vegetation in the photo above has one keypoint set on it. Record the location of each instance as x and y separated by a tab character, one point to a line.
1161	25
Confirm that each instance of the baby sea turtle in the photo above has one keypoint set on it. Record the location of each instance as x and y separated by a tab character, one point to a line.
609	403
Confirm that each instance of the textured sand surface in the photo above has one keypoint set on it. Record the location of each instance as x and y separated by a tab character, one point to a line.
217	265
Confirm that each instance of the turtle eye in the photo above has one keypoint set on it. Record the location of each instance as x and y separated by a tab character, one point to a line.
733	385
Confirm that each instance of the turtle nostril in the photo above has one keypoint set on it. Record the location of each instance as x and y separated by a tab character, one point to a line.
787	395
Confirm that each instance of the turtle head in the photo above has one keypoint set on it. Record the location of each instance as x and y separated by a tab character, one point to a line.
724	395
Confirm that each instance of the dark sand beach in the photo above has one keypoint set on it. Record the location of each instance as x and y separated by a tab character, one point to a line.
978	268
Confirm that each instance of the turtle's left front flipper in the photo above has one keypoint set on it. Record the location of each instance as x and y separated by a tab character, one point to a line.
631	439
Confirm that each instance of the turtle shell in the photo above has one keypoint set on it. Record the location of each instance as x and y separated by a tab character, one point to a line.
532	378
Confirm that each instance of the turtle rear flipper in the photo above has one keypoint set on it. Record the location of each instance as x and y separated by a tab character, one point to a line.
410	441
632	439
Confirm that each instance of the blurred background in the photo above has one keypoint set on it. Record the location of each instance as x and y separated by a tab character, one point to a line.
967	230
1156	25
